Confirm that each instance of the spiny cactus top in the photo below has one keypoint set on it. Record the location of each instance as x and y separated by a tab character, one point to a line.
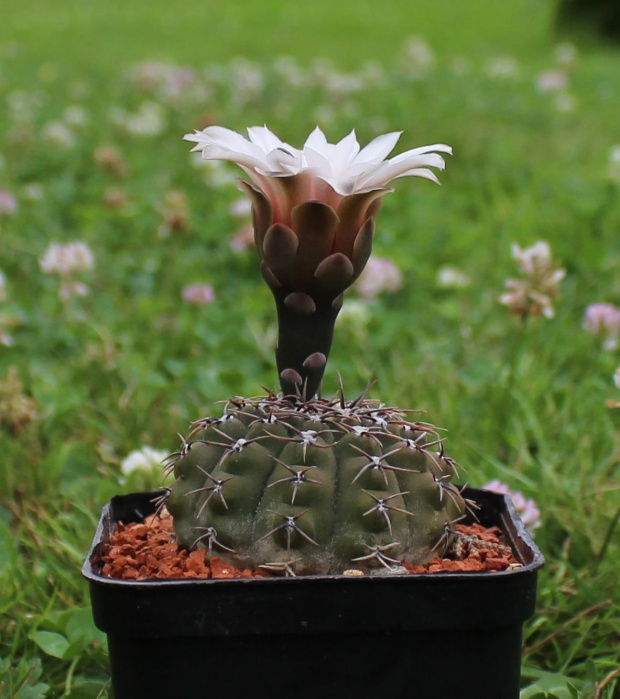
313	213
316	486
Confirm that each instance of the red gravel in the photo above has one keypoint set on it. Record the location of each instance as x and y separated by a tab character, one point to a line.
145	550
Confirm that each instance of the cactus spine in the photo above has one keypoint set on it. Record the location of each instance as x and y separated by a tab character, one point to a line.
315	486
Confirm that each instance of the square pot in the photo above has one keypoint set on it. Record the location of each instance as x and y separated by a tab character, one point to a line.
429	636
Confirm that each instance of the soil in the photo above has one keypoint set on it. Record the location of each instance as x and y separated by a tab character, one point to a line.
147	550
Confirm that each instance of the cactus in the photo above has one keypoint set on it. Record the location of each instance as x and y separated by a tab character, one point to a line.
314	487
294	483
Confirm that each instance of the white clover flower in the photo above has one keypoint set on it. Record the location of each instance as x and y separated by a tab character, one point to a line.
603	320
247	79
379	275
289	72
534	294
502	67
198	294
243	239
452	278
527	508
533	259
68	258
144	459
418	55
552	81
565	102
58	133
147	121
613	164
241	208
75	115
33	191
8	203
355	314
565	54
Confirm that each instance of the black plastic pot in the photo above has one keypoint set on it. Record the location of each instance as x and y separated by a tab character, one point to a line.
428	636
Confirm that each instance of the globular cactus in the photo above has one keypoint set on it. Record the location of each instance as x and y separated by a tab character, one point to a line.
316	486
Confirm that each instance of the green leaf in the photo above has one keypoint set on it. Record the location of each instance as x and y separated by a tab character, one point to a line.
550	685
81	626
53	644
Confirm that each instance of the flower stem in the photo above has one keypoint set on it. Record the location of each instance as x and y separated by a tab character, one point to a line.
305	333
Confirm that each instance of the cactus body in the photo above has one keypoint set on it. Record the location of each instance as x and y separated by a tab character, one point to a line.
314	486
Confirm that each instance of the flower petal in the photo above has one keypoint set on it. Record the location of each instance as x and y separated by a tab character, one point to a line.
245	160
262	213
379	148
265	139
314	224
343	153
280	250
353	211
317	142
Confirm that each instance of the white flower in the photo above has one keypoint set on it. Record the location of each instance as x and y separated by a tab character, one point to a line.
243	239
534	294
337	187
198	294
379	275
418	55
603	320
613	168
343	166
241	208
527	509
58	133
452	278
8	202
565	54
68	258
147	121
552	81
76	115
355	314
144	459
533	259
502	67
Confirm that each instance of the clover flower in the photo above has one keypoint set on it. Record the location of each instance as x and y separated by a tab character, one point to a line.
198	294
534	294
603	320
552	81
8	202
452	278
527	508
66	260
379	275
143	459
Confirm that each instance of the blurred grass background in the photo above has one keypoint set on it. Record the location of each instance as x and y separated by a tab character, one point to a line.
131	364
83	34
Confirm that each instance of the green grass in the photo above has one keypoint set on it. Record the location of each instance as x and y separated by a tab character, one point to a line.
87	35
131	364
